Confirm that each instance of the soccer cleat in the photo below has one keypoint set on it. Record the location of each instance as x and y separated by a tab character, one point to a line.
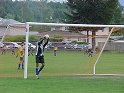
18	68
37	77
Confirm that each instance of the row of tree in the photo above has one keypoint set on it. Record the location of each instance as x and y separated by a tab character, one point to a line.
95	11
31	10
73	11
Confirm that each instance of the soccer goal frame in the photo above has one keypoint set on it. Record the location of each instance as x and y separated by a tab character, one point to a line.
65	25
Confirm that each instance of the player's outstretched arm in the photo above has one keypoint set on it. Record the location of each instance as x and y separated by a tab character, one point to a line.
46	42
40	41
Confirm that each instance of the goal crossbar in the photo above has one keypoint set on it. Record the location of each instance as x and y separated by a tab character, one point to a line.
74	25
60	24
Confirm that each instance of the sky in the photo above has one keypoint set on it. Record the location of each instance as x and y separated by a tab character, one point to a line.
121	2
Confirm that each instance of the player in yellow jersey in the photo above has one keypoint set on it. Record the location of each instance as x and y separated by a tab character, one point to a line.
4	49
20	54
55	49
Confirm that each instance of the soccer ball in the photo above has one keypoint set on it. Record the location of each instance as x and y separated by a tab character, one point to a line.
46	36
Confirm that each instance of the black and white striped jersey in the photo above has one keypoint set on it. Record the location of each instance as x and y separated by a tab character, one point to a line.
40	47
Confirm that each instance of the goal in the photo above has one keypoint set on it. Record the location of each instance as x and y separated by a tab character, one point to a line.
86	26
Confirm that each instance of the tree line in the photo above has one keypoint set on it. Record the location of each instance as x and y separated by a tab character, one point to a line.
95	12
73	11
30	10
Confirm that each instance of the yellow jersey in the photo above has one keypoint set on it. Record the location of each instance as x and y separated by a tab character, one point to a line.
20	51
55	48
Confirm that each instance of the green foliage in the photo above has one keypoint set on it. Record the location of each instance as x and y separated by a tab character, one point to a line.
94	11
19	39
122	20
40	28
78	11
30	10
33	38
56	38
2	12
14	39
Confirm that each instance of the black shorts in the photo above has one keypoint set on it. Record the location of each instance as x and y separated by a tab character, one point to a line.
39	59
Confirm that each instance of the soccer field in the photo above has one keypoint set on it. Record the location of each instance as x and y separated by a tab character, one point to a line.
65	63
60	74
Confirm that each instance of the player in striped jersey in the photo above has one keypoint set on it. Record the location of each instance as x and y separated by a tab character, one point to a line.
40	54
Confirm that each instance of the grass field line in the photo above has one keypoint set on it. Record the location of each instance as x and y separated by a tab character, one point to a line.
101	74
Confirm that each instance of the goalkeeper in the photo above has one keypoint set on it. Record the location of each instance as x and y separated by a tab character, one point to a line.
40	54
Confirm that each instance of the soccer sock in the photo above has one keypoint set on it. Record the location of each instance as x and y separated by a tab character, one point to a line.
19	66
36	70
55	54
40	69
22	66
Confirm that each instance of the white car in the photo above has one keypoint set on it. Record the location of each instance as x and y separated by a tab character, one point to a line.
32	46
9	45
29	44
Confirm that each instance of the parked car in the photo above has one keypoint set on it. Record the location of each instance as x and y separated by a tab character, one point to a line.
9	45
29	44
69	46
32	46
79	46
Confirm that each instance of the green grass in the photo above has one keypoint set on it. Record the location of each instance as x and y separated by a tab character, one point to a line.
111	63
60	74
65	63
63	84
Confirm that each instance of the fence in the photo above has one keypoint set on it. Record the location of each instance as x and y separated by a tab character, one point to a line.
112	46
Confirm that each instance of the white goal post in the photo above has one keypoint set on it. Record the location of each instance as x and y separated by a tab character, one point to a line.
65	25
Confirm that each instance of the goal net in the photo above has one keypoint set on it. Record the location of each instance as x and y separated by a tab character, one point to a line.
79	49
11	36
111	60
82	40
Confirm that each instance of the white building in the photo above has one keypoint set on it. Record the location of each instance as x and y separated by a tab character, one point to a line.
12	28
7	29
67	36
